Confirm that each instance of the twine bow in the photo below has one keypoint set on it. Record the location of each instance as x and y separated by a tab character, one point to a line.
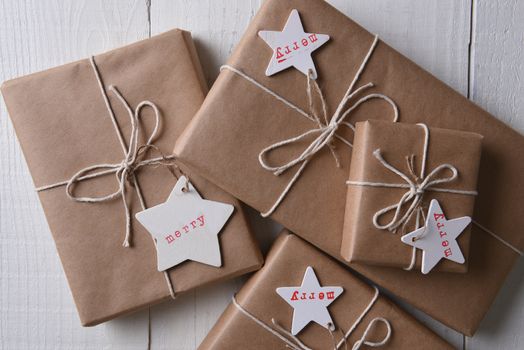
415	193
325	130
416	185
297	344
294	343
125	170
319	144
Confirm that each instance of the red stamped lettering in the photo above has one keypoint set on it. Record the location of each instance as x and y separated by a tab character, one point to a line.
442	233
284	52
296	295
193	225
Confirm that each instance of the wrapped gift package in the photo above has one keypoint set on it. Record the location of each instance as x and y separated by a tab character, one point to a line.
246	112
402	147
354	309
63	124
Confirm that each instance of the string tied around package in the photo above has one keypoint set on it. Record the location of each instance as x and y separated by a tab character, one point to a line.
325	129
300	111
416	185
293	342
125	170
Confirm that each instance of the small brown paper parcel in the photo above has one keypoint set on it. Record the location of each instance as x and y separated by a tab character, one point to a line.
63	125
239	119
402	147
358	308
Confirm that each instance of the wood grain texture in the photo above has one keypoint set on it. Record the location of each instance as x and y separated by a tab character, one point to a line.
216	26
497	84
497	64
432	33
36	308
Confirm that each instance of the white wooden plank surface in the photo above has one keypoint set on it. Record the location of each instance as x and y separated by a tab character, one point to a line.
497	67
497	84
432	33
216	25
36	309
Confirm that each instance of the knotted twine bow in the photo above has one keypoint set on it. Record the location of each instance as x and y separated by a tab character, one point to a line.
125	170
416	185
293	342
325	130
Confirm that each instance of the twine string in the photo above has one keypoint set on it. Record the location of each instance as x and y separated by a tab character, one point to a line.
124	171
363	340
416	188
332	329
325	130
420	213
293	342
306	115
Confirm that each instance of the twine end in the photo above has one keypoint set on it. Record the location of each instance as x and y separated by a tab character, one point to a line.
126	244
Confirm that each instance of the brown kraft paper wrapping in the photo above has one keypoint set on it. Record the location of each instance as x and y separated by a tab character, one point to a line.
285	266
63	126
238	120
362	242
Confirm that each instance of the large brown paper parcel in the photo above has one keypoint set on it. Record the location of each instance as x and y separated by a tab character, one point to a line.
285	266
362	242
238	120
63	126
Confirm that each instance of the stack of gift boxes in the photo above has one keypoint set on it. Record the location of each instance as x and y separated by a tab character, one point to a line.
373	164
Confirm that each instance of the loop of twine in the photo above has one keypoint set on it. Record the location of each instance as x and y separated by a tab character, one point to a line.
307	115
124	171
416	187
326	129
363	341
293	342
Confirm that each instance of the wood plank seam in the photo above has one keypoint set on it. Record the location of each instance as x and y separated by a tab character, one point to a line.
469	77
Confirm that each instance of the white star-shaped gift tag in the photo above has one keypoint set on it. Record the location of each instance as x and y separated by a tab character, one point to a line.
186	227
309	301
292	47
437	238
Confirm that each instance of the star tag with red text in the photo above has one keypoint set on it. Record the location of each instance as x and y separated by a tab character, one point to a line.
438	238
309	301
292	47
186	227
